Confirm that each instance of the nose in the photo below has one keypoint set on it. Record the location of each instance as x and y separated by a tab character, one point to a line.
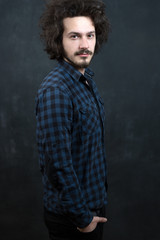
84	43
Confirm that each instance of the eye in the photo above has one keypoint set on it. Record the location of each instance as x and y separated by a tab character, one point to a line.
74	36
91	35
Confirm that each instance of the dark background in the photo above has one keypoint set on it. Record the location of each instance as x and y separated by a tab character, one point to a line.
127	73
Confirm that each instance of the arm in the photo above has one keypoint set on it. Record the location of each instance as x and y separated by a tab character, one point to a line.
55	116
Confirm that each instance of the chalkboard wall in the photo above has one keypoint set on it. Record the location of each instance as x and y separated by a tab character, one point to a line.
127	73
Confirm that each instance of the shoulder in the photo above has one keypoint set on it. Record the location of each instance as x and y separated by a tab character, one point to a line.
55	80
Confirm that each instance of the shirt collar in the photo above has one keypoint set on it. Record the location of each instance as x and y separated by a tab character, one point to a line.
74	72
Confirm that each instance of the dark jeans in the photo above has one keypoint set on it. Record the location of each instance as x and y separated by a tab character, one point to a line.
60	228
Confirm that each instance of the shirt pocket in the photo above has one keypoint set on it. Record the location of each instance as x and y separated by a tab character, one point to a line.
89	119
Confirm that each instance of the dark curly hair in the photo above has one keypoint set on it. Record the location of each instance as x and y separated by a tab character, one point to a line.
51	22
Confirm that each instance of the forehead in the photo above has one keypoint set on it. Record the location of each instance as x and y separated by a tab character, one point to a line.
78	24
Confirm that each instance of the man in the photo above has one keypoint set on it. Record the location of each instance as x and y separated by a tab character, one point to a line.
70	121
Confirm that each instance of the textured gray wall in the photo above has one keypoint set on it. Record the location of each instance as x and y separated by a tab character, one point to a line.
127	73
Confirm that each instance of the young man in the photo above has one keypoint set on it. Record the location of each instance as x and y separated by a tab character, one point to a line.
70	121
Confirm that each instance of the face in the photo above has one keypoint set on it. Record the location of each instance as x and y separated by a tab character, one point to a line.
79	39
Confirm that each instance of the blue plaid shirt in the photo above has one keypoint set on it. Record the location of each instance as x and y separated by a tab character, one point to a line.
70	137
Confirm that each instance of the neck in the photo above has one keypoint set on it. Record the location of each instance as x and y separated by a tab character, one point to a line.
81	70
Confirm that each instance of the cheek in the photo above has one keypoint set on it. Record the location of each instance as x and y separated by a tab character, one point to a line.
94	44
68	46
66	43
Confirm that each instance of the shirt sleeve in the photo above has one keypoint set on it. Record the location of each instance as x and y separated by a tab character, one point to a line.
55	116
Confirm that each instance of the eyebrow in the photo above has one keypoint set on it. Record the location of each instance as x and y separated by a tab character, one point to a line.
78	33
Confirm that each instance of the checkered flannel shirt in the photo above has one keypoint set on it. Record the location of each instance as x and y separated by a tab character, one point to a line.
70	138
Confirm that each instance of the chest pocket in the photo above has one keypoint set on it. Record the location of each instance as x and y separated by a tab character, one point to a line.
89	119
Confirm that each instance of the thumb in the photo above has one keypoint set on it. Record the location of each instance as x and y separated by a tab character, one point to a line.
101	219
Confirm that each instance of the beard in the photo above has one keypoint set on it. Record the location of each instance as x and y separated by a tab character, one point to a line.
84	63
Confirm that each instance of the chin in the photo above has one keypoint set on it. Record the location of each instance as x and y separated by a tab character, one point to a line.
83	64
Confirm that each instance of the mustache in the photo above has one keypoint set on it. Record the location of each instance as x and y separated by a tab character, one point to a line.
83	52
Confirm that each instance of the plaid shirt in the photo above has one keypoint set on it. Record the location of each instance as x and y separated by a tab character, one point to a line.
70	137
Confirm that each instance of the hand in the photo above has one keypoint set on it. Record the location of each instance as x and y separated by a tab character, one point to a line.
93	224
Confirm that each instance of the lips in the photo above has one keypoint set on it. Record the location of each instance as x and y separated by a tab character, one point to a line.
83	55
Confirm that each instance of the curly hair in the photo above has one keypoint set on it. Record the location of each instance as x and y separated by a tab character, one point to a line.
51	22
